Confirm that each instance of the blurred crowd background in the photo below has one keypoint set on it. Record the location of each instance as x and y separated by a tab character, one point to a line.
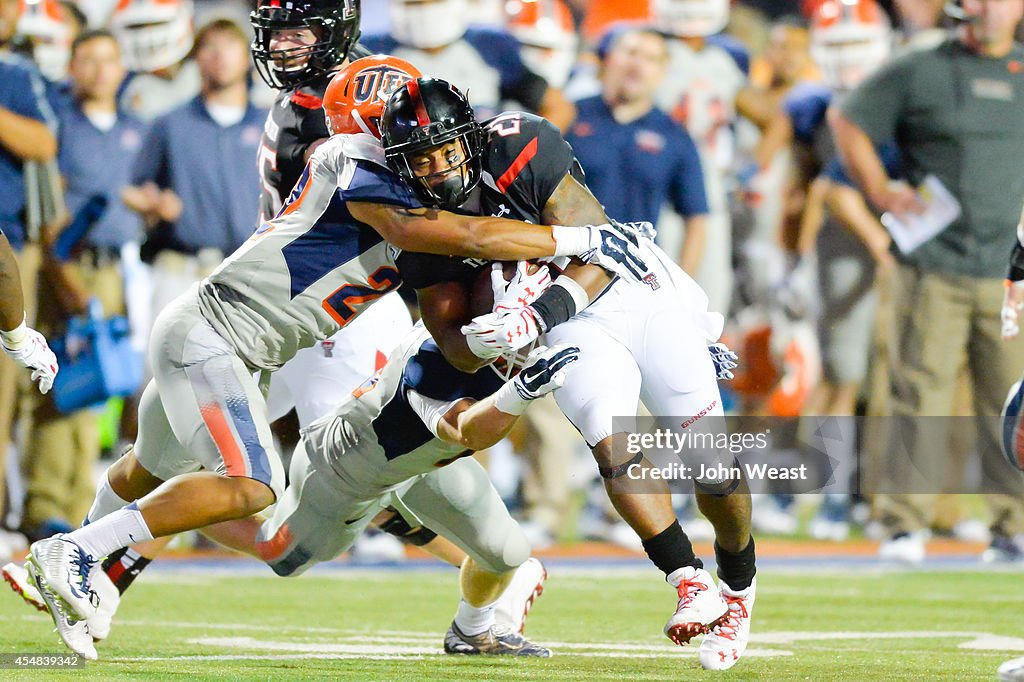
706	117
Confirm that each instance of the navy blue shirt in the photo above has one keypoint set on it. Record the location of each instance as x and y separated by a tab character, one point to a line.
634	168
94	162
212	169
889	153
23	92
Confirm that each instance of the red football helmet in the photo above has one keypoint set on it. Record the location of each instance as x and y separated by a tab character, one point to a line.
355	98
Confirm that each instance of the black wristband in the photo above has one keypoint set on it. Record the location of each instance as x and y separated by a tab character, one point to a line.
1016	273
553	307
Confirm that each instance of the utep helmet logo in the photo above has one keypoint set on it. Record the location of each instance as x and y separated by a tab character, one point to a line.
379	82
354	99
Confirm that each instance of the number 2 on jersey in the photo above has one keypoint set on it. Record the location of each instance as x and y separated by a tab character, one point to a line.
341	305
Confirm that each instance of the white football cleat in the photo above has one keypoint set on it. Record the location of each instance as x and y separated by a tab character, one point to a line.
67	570
1012	671
907	548
73	631
109	598
700	605
725	644
20	581
512	607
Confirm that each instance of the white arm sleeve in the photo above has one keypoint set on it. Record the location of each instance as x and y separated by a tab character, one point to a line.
429	410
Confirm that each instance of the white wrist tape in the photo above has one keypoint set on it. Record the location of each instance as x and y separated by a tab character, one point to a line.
578	293
508	400
16	338
570	241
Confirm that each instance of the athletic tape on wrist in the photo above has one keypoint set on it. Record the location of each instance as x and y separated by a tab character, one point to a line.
570	241
15	339
508	399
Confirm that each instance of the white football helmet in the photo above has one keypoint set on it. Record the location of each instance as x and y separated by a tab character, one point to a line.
690	18
45	26
430	24
548	37
153	34
849	40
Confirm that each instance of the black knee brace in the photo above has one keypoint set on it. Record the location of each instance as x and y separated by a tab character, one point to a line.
401	529
620	470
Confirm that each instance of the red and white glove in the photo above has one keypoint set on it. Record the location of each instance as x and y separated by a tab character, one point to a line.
520	291
28	348
492	335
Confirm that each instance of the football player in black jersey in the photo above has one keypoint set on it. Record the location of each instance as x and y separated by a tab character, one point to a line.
518	165
296	49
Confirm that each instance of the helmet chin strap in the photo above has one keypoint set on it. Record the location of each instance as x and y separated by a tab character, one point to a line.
451	189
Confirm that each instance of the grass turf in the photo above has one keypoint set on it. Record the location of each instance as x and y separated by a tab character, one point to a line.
388	625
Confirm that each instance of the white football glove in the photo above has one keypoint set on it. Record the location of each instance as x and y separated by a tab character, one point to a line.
643	229
495	334
520	291
545	370
617	251
34	353
725	360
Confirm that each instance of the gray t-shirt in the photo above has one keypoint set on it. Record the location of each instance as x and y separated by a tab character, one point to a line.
959	116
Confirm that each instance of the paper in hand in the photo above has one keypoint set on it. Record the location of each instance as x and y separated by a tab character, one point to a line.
911	230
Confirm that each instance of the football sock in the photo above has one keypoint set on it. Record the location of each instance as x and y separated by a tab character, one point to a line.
118	529
472	620
123	566
671	550
736	569
106	502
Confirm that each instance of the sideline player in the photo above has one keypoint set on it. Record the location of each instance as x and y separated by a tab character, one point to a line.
517	164
22	344
204	433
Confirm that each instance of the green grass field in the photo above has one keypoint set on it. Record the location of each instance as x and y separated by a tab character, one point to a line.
388	625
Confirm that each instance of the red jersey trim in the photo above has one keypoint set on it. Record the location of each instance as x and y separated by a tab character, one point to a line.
306	101
525	156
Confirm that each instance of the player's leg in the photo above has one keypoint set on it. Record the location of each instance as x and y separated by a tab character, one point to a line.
460	501
315	520
682	384
218	415
606	385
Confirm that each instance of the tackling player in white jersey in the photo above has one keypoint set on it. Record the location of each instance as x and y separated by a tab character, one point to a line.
644	338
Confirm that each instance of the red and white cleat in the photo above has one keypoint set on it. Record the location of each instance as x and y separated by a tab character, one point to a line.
725	644
20	581
515	602
699	605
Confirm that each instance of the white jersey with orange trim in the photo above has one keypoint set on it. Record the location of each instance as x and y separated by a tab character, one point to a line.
313	268
700	93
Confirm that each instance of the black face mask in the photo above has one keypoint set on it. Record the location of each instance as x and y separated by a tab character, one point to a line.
452	191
